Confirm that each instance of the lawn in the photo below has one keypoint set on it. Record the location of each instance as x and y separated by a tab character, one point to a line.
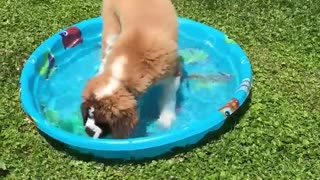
277	138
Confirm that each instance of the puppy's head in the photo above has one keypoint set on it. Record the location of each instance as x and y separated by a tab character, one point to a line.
115	114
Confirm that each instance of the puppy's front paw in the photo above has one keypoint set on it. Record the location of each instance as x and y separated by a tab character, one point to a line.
166	118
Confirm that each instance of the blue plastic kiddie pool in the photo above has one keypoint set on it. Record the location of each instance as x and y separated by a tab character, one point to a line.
216	80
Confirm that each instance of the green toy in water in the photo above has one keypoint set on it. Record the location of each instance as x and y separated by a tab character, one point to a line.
72	125
206	81
49	63
193	56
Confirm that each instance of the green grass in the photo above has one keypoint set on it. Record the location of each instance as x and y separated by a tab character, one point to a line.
277	138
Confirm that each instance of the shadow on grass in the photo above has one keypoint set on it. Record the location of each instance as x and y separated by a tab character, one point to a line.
4	173
229	124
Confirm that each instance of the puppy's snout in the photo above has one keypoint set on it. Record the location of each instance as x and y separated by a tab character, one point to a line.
89	131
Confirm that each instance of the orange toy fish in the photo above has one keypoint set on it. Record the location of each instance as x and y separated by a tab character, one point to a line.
228	109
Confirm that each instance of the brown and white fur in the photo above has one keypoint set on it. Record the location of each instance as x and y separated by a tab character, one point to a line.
139	51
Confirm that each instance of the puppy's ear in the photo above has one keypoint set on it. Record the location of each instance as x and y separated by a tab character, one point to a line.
124	123
124	116
84	112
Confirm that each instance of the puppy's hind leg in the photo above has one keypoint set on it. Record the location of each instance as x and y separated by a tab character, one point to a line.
110	30
168	101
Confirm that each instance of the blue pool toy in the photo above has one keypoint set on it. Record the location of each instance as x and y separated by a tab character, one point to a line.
216	80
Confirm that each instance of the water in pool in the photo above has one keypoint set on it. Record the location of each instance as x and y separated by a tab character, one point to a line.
208	82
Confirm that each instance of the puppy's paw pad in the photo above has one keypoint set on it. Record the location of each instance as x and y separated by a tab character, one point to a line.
166	119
